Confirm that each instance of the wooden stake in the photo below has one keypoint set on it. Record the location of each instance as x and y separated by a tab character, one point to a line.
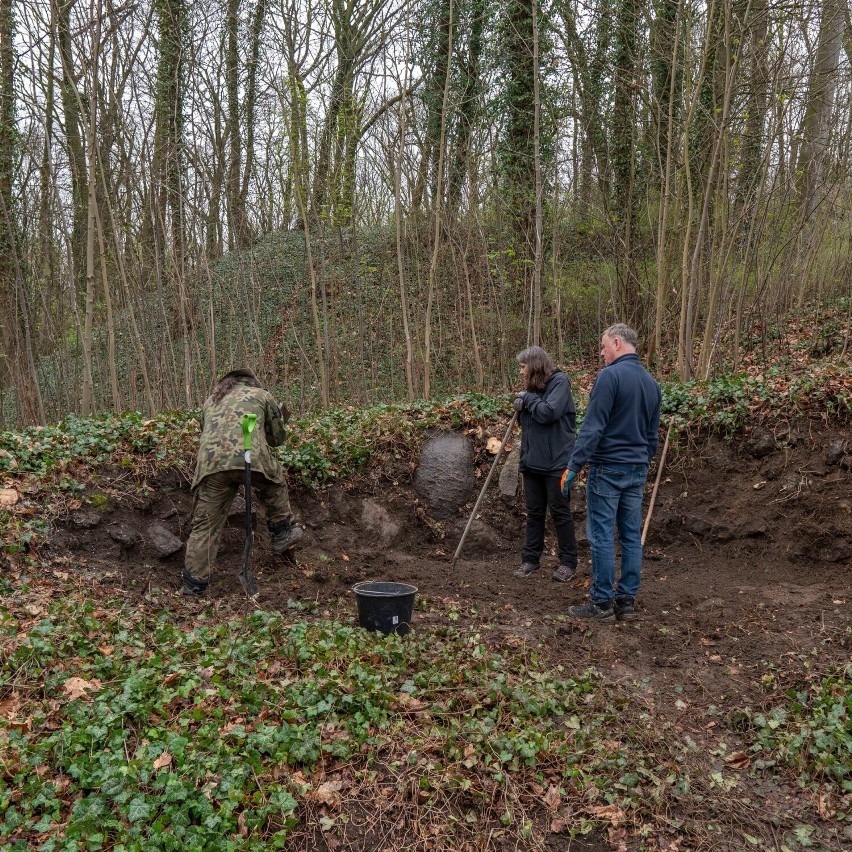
484	486
657	482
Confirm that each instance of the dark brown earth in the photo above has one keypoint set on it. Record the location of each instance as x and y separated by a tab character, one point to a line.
747	578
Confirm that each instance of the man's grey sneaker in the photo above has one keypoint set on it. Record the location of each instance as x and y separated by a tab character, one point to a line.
593	612
564	573
526	569
286	538
624	609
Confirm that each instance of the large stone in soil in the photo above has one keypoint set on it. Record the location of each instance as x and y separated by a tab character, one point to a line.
162	541
377	521
508	481
835	451
444	477
761	444
125	534
481	539
86	519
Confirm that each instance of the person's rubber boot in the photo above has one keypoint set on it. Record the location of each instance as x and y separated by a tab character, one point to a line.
284	536
192	588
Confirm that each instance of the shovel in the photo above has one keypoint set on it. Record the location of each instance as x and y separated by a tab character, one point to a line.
247	577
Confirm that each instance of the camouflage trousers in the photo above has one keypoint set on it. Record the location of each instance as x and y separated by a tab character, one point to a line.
213	498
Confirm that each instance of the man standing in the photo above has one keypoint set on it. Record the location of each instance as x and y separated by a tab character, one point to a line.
618	439
219	472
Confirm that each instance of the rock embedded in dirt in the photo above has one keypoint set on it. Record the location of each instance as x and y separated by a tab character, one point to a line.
162	541
378	521
482	540
761	444
835	451
86	519
696	525
444	477
125	534
717	453
237	513
508	480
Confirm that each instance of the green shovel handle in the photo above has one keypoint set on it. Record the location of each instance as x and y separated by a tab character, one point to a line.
249	421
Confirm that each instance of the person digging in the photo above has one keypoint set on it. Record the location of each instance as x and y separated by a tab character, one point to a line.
220	470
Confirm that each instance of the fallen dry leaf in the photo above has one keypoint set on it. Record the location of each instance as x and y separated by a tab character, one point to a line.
328	793
552	798
825	807
493	446
8	497
738	760
77	687
408	702
612	813
9	708
165	759
618	839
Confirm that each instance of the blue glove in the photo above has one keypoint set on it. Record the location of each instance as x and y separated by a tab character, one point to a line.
567	481
518	402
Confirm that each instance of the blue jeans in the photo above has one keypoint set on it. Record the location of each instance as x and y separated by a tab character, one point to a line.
614	496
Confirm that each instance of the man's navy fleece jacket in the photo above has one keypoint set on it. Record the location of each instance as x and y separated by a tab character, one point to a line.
623	418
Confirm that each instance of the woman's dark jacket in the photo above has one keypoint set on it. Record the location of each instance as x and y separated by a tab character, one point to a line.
548	426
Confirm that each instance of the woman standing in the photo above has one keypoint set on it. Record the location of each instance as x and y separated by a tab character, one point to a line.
548	431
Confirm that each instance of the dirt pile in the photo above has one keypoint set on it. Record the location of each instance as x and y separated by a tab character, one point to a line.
749	539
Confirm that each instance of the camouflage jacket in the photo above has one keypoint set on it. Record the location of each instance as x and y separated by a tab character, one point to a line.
221	446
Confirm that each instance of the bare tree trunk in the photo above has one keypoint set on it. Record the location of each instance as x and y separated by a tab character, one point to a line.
625	196
298	145
403	285
14	318
71	110
538	259
821	92
666	168
731	65
436	235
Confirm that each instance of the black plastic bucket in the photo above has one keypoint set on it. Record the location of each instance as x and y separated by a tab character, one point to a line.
385	607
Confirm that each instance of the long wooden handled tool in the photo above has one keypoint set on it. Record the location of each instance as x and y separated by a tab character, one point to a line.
657	482
247	577
484	486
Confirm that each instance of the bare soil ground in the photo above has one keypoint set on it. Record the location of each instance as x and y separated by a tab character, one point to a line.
747	579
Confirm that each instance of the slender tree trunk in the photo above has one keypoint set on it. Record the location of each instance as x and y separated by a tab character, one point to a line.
538	258
298	147
400	262
14	317
822	86
71	110
436	234
625	199
666	133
